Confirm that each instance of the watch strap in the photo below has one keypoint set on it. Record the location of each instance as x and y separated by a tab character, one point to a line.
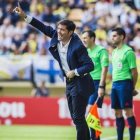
102	87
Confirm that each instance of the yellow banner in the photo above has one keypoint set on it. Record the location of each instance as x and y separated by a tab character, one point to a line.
15	68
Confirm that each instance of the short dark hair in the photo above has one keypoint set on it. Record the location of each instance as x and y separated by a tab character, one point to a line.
68	23
120	31
90	33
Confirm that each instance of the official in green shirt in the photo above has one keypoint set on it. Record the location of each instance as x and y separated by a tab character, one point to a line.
99	56
124	80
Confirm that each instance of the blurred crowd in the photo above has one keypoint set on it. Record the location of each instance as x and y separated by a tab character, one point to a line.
19	38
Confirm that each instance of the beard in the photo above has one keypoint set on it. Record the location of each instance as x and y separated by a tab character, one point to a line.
116	43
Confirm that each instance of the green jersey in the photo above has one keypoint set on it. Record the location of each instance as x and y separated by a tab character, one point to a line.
123	60
100	59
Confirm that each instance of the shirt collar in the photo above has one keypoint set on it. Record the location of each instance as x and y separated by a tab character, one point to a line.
66	46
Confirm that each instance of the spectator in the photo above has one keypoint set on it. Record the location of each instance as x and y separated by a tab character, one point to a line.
2	4
40	91
136	42
128	30
35	4
48	17
101	42
32	44
51	3
5	44
25	5
22	28
89	18
100	33
111	21
101	8
137	4
76	3
86	28
116	8
62	11
43	44
128	15
42	51
102	22
137	24
13	2
2	15
10	14
35	13
7	27
129	3
18	44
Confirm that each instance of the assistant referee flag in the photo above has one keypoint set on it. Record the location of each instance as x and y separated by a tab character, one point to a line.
93	120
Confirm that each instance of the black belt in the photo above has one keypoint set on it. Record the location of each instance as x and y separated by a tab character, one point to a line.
69	79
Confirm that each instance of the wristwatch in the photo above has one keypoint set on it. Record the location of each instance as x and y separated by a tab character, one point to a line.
102	87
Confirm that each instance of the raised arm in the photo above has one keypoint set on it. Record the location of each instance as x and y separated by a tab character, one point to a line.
47	30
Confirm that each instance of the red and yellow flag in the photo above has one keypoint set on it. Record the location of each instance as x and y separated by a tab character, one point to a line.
93	120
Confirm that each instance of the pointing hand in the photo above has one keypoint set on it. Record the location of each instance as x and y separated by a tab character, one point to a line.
19	11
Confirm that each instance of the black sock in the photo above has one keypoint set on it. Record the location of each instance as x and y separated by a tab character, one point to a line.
132	127
120	124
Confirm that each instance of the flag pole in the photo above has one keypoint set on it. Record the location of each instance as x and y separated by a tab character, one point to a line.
97	100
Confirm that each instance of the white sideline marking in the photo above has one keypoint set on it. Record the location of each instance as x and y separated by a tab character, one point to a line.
115	137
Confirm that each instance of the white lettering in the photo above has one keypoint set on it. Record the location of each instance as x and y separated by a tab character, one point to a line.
14	109
4	110
21	110
63	108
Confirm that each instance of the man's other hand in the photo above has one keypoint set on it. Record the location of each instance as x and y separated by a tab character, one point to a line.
70	74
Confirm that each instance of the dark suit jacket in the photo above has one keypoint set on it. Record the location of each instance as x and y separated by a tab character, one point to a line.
77	58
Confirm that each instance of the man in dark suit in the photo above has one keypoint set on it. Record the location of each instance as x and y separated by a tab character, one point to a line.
75	65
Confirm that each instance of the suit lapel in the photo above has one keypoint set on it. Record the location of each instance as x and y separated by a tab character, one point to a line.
69	52
54	52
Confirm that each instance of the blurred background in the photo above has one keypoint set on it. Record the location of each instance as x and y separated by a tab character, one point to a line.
29	76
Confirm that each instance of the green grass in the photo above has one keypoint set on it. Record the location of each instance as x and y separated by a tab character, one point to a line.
18	132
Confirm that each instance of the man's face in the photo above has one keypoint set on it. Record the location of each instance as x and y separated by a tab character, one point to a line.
116	39
63	33
87	41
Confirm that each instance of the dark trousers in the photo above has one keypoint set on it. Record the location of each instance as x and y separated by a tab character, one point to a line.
77	106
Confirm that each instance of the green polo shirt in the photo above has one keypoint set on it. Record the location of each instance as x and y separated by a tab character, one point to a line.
123	60
100	58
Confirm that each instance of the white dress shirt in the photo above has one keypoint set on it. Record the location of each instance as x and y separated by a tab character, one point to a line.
62	50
